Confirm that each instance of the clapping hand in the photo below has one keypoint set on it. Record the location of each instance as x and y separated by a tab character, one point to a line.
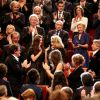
45	66
47	48
25	64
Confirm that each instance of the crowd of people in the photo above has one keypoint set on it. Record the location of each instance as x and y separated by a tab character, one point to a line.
36	37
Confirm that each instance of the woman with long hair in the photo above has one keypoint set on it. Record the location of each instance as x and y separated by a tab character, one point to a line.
78	16
56	62
36	56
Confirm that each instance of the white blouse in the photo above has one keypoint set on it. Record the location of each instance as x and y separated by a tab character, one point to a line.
75	22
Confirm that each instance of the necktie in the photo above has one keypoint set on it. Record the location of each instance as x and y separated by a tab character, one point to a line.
59	15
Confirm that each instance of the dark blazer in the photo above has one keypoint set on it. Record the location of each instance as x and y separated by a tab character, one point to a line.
15	74
6	52
37	90
94	64
96	26
62	33
74	78
15	71
26	38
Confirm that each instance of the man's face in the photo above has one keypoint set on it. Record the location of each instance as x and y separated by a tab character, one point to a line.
15	7
94	47
82	2
60	7
58	26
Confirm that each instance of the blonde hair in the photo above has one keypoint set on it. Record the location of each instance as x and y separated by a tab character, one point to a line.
37	7
81	23
78	59
10	26
57	41
34	15
14	2
29	93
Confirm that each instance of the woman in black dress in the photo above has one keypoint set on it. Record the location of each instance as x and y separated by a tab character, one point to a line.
36	56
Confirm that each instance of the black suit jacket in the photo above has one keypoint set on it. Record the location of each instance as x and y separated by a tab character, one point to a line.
96	26
62	33
94	64
15	71
74	78
26	38
6	52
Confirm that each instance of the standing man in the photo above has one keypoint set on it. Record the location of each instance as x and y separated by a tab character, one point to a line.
62	15
16	70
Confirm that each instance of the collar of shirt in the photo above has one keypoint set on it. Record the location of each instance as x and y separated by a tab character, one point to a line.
60	13
16	57
94	52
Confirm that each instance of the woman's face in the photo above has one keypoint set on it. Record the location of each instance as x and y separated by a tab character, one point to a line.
80	28
15	38
78	11
37	11
53	44
10	30
33	21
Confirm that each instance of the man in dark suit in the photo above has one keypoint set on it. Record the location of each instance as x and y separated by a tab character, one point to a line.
16	70
15	38
30	31
74	77
60	32
62	15
96	23
94	63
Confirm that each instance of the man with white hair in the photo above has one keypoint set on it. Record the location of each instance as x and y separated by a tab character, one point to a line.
60	32
30	31
94	63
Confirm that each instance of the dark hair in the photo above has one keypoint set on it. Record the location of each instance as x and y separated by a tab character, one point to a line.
87	79
60	1
59	79
55	56
82	10
33	76
13	48
36	43
3	70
